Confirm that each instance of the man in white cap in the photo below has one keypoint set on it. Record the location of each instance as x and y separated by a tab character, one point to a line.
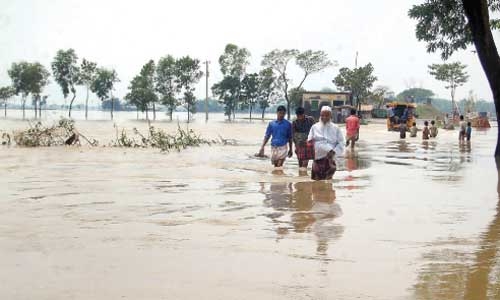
328	141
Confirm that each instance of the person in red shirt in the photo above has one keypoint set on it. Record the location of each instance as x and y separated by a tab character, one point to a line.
352	128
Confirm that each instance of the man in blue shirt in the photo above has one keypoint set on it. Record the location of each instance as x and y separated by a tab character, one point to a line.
281	132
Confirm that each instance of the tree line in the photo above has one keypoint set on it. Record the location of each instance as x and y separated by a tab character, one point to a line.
171	81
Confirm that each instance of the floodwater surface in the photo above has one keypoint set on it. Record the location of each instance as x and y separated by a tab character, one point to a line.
402	219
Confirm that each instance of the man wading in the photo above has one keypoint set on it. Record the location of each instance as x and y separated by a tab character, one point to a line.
281	132
328	140
300	128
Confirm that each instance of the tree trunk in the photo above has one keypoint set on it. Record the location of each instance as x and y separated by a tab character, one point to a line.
87	105
171	112
5	108
112	107
35	106
263	112
479	22
71	104
251	112
24	106
154	112
147	113
137	112
40	109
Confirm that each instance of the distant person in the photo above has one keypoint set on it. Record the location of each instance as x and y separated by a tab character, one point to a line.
328	141
352	125
281	132
413	130
402	129
404	117
300	130
391	114
468	131
433	128
462	128
426	132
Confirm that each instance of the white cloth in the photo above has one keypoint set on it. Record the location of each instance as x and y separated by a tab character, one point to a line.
326	137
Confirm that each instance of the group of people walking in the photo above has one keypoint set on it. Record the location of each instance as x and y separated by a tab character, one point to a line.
317	141
465	130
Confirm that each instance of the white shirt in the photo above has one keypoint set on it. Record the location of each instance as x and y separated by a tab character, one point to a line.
326	137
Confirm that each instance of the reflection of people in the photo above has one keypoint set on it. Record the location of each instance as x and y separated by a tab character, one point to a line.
328	140
300	128
352	128
315	208
281	132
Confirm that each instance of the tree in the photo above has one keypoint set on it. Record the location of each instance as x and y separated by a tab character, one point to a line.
103	85
450	25
28	78
278	60
66	73
226	91
269	85
380	94
418	94
312	62
188	74
233	63
5	93
358	81
250	91
142	88
453	74
296	96
166	83
87	76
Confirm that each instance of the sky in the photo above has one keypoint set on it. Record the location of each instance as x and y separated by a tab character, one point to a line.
125	34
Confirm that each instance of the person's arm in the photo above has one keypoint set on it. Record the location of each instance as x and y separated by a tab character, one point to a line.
290	141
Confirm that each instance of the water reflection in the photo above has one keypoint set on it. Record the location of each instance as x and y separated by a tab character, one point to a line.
304	207
461	274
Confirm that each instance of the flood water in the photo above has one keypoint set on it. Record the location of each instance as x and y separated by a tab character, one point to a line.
402	219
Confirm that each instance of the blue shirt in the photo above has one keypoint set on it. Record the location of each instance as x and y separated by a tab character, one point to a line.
281	131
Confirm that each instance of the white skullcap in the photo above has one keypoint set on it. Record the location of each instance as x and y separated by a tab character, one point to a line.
326	108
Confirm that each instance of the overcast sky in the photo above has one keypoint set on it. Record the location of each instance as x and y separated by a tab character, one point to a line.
125	34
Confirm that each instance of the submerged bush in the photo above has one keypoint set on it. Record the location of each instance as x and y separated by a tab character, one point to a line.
158	138
42	136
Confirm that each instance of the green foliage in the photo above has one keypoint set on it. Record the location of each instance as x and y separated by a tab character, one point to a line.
230	90
104	82
142	87
6	92
166	83
358	81
296	96
66	71
250	92
443	25
226	91
88	71
158	138
419	94
43	136
453	74
234	60
188	74
268	88
28	78
312	62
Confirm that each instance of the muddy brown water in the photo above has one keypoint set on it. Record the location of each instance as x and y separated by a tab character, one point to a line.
402	219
